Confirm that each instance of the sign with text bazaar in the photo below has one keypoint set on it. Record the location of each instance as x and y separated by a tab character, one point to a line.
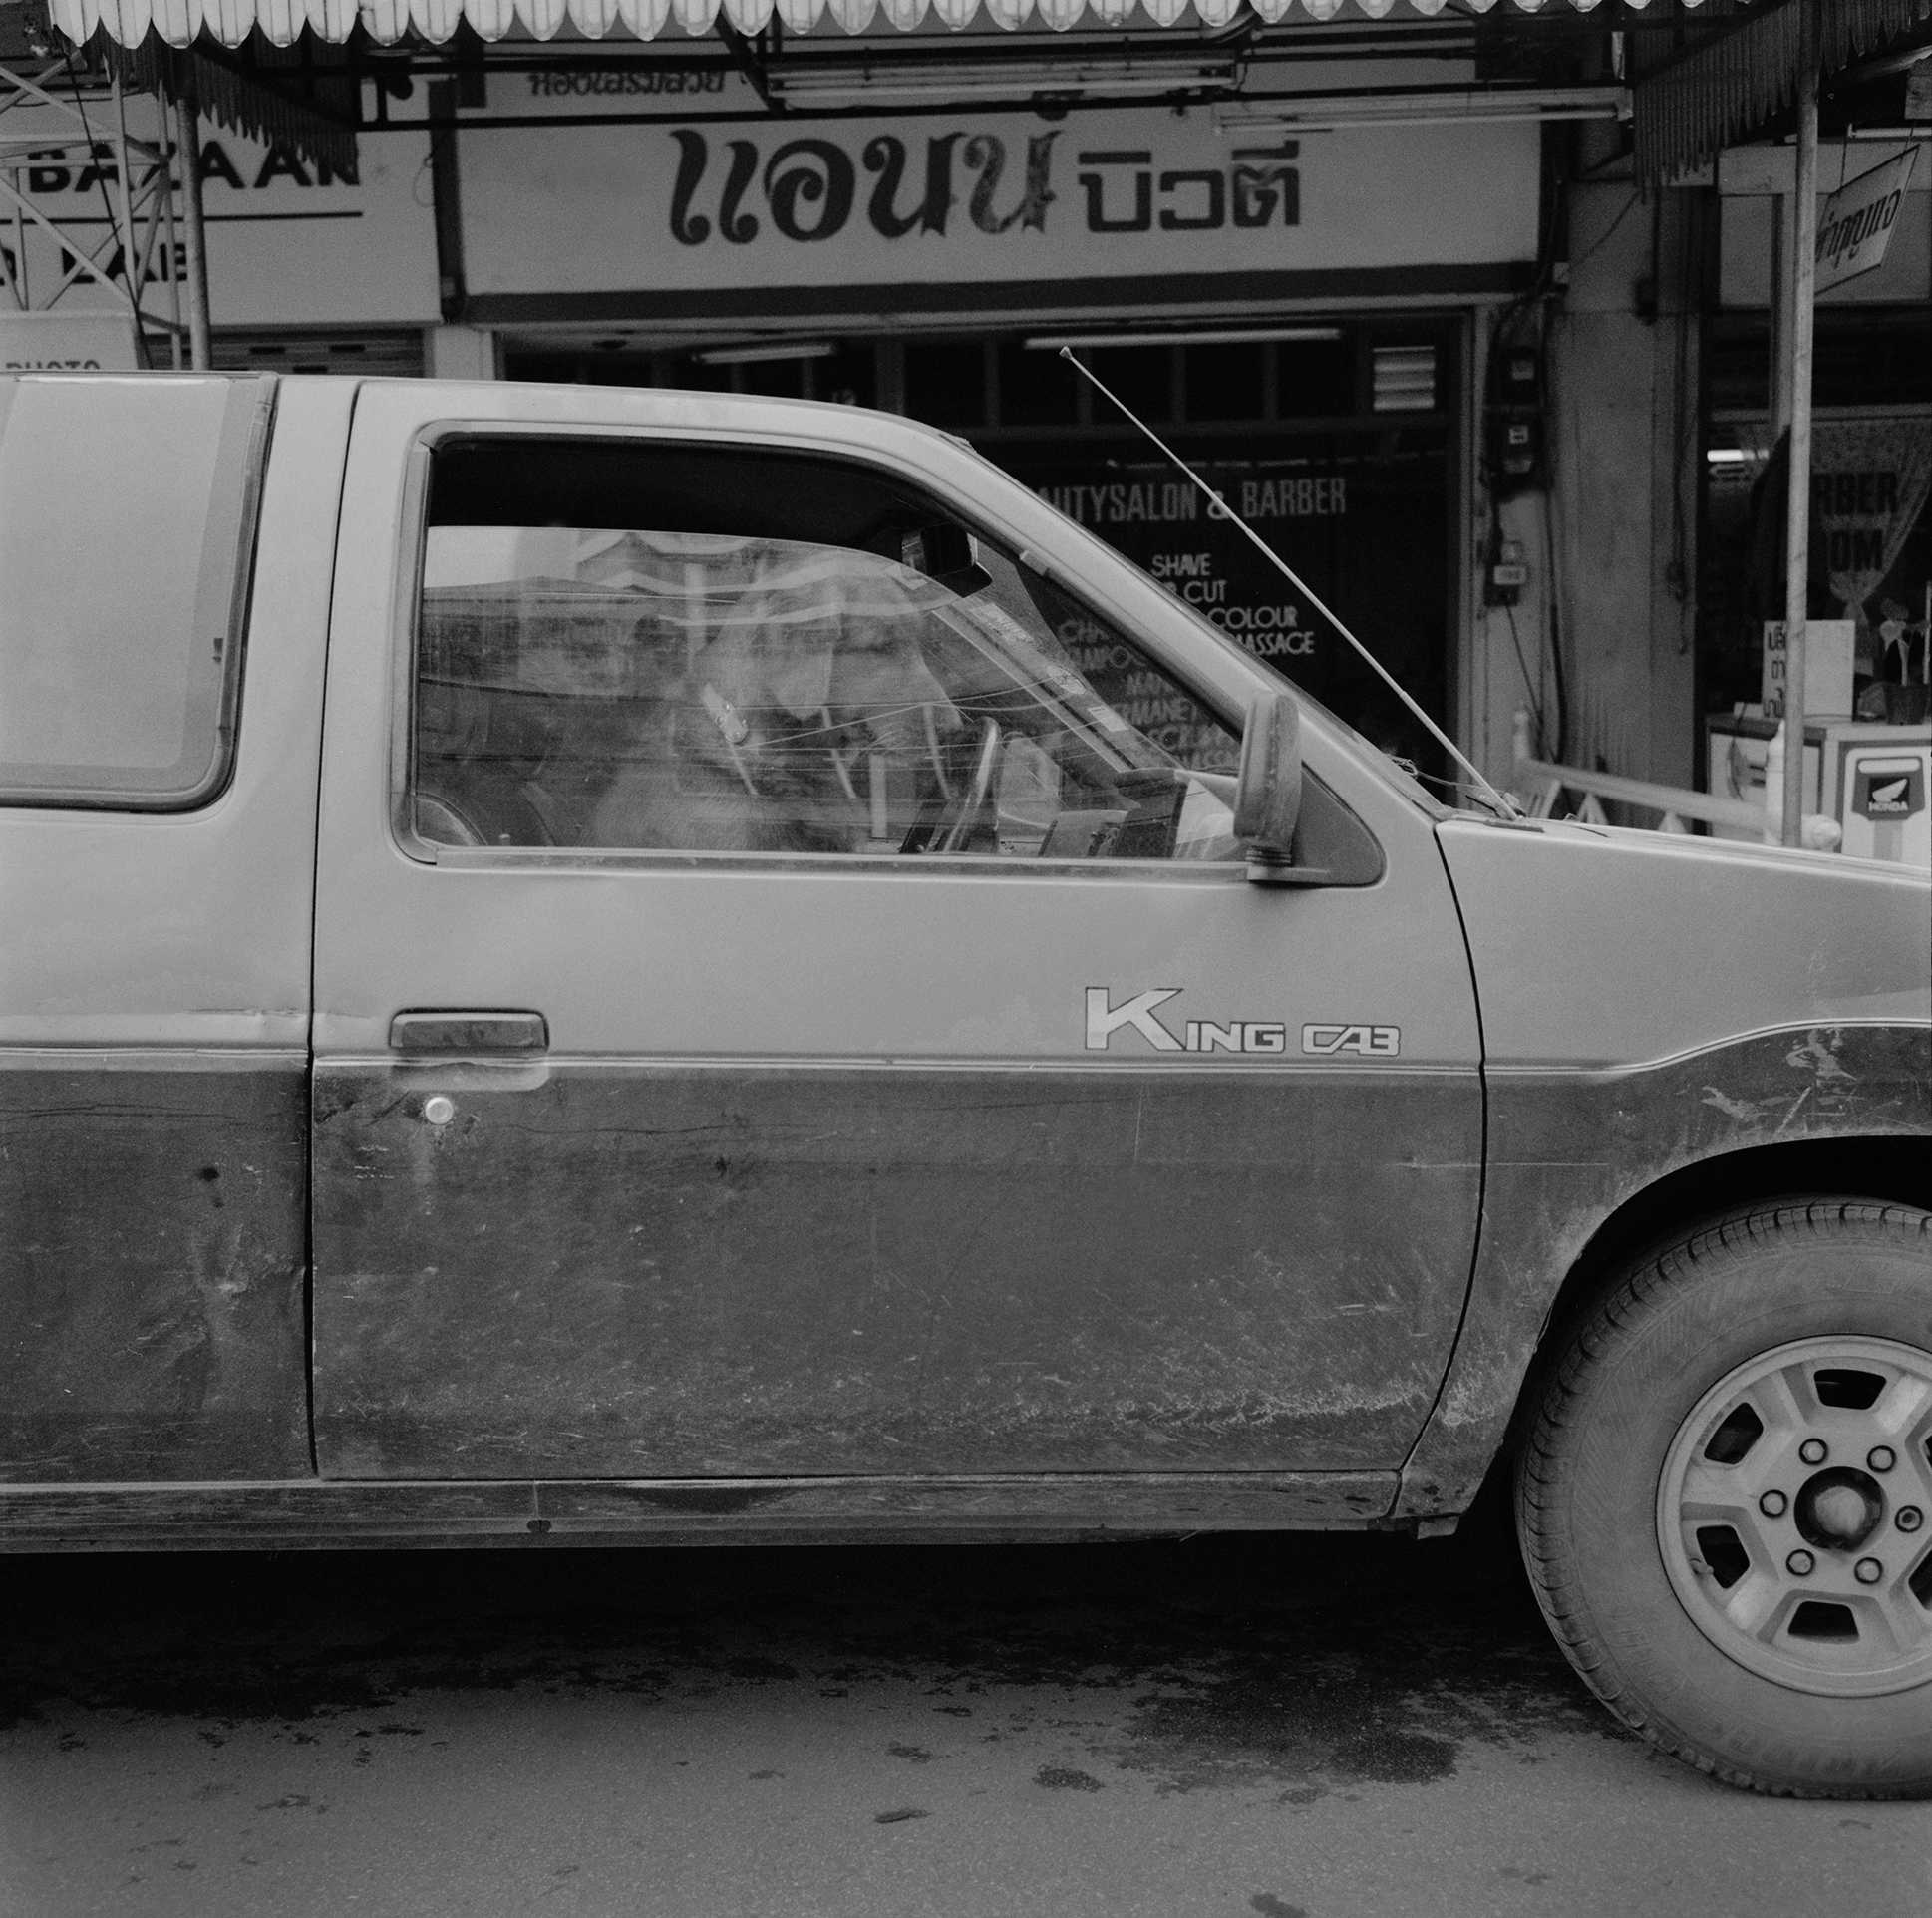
290	243
984	198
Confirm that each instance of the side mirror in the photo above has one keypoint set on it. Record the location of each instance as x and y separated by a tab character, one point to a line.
945	551
1267	789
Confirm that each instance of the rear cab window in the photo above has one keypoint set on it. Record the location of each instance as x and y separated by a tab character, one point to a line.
120	672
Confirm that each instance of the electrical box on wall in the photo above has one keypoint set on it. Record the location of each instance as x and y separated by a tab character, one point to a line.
1513	418
1505	574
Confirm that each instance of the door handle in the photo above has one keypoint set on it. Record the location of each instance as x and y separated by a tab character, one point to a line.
468	1032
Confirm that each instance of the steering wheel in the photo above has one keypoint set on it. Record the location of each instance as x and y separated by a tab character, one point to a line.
955	826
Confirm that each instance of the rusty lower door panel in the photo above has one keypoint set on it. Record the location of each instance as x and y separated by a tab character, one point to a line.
640	1270
151	1267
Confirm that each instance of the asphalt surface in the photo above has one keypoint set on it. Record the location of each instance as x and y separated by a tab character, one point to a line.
1295	1727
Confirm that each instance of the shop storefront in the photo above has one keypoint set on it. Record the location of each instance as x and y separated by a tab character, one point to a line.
1869	598
1293	312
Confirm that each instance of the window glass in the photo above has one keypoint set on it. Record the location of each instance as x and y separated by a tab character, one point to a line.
679	686
124	541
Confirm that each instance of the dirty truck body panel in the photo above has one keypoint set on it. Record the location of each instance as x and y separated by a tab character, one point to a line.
1771	999
370	1176
816	1173
155	1010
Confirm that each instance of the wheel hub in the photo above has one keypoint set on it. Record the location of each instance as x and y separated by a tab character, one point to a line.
1791	1515
1839	1509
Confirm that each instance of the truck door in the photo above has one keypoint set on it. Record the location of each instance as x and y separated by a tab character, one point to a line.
787	1002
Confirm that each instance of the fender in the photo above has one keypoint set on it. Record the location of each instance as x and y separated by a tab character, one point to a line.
1567	1149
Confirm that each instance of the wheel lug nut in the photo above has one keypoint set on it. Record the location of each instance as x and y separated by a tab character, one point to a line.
1868	1571
1910	1518
1815	1451
1881	1458
1773	1504
1801	1564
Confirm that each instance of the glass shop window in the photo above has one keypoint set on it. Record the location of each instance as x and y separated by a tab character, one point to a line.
707	650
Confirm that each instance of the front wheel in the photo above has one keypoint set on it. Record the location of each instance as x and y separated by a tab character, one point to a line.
1724	1499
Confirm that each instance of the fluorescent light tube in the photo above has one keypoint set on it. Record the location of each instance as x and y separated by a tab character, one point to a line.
1193	336
773	350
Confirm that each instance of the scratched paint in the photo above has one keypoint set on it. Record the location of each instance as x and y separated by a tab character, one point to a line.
645	1271
1568	1150
151	1273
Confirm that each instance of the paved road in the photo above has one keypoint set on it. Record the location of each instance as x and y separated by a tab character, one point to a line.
1294	1727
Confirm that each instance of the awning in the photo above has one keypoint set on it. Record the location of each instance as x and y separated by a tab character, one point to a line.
1695	103
230	22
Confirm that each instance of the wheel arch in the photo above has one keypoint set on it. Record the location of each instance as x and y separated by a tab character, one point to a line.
1894	1167
1889	1166
1636	1534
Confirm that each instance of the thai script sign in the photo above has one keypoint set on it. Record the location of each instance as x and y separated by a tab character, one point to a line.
809	187
1856	222
724	200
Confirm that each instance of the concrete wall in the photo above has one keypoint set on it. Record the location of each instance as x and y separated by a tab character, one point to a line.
1621	350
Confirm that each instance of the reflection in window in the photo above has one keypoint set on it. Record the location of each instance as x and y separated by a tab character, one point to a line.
654	690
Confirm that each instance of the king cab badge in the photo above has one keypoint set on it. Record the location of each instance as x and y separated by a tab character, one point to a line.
1141	1013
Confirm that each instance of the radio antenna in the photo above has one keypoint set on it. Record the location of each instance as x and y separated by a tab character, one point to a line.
1502	803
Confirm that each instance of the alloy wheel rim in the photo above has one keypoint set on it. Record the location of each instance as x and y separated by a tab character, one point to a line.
1795	1515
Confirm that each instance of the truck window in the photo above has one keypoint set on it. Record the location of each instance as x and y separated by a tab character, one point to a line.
696	650
124	536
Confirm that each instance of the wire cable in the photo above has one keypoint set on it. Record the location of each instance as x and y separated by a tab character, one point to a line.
1498	799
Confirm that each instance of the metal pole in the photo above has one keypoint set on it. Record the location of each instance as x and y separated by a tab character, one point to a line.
1781	310
170	152
130	266
1798	409
187	140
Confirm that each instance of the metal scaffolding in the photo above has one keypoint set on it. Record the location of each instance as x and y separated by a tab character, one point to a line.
137	252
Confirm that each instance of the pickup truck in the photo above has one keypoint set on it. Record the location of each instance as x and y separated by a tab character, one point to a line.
590	966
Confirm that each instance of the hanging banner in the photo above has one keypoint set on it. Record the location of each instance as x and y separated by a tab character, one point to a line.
1855	223
1751	182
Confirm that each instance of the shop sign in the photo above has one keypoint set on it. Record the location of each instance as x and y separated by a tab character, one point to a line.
1192	548
66	343
728	204
289	243
1870	480
1827	668
1856	222
1891	789
811	189
1857	266
1368	532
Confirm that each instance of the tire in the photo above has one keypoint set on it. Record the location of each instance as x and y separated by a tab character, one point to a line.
1724	1499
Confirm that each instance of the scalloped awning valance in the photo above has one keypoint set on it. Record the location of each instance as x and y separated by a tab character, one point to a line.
180	22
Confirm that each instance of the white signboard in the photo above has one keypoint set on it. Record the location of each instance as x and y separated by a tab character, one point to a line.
289	243
66	343
985	199
1827	668
1855	223
1751	182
